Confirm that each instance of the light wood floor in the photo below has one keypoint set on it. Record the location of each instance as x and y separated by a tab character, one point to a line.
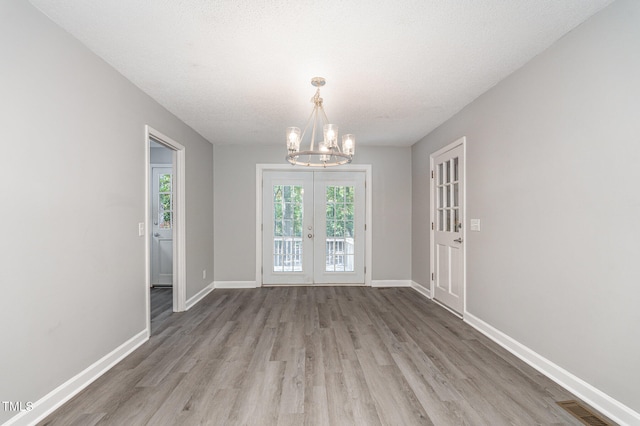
322	356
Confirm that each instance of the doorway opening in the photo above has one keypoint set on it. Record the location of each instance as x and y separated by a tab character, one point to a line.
165	224
161	231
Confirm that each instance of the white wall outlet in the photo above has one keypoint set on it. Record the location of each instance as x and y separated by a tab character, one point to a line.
204	274
475	224
140	229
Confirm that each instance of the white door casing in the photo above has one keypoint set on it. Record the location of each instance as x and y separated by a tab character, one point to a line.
162	225
179	220
313	227
448	231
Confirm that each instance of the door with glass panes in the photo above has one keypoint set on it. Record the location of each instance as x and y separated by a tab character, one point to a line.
313	227
449	230
162	228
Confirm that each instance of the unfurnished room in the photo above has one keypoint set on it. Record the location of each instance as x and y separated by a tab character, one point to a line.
292	212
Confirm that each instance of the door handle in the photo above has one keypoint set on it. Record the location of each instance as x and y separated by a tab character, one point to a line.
156	234
457	240
310	235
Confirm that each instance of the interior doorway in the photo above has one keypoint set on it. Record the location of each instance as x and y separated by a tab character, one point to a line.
161	232
165	222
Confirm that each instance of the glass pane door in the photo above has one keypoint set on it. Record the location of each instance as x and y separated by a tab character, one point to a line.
339	218
287	238
448	239
162	217
313	227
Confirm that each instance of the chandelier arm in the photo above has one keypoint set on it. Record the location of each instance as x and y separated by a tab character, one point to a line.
326	119
315	125
306	126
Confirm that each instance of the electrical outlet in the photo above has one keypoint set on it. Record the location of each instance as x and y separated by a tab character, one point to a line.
204	274
140	229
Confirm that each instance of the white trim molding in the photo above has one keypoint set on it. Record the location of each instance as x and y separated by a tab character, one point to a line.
179	232
235	284
391	283
599	400
192	301
54	399
425	291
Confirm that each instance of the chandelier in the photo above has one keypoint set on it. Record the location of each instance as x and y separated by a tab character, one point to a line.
327	153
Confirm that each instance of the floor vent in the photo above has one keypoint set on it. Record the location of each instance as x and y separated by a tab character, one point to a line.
583	414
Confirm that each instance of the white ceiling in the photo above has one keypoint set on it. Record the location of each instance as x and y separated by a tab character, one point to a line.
239	71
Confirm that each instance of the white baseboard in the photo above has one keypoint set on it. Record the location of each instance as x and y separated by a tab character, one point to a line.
54	399
235	284
198	296
390	283
602	402
426	292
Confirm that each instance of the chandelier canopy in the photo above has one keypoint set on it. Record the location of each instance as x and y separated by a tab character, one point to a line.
327	153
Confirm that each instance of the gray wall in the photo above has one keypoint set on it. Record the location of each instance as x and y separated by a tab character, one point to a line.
72	270
391	199
235	209
552	172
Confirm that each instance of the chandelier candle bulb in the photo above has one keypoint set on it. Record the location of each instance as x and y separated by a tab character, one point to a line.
293	139
348	144
324	147
331	135
328	152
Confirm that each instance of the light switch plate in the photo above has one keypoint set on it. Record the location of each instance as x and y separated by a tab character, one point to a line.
140	229
475	224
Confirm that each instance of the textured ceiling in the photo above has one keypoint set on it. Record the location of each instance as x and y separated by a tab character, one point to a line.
239	71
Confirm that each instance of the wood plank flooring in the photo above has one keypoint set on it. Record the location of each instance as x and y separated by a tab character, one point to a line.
317	356
161	305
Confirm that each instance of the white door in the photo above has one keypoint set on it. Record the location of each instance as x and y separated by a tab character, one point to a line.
287	208
162	226
339	222
313	227
448	175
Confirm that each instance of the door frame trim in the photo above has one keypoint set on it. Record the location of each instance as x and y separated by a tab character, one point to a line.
432	233
366	168
179	208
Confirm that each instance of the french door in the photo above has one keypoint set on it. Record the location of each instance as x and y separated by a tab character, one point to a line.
313	227
448	251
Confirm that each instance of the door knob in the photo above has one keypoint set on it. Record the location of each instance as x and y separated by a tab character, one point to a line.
458	240
310	235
